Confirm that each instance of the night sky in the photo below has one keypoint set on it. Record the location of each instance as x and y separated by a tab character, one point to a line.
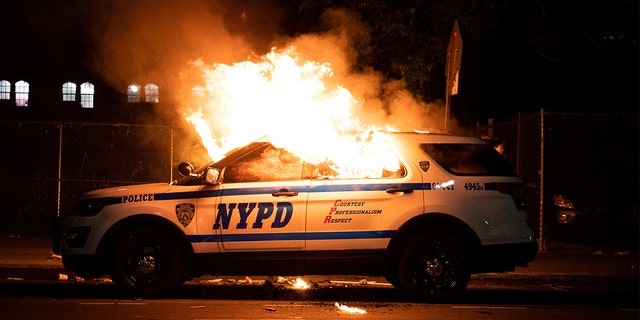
571	57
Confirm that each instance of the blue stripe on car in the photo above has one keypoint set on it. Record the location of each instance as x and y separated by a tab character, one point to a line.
267	190
348	235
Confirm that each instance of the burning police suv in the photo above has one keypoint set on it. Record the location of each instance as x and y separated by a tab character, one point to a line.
451	206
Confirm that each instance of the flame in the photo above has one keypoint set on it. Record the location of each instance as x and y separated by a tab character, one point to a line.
300	284
350	309
296	105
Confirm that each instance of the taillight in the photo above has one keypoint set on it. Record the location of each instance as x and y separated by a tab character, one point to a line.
515	189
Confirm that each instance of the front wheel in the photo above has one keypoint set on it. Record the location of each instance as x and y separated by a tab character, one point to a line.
147	263
433	267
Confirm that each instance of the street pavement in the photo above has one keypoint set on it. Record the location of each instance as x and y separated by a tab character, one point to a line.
26	258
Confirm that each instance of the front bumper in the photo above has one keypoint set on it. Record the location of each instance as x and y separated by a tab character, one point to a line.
65	238
68	237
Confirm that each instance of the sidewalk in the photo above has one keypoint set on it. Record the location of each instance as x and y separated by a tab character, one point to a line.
33	259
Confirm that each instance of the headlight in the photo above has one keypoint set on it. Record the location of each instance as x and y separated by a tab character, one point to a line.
566	216
562	202
89	207
566	212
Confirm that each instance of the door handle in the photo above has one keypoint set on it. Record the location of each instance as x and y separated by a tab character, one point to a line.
283	193
399	191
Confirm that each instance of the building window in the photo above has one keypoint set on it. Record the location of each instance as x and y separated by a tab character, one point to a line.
68	91
22	93
5	90
133	93
86	95
151	93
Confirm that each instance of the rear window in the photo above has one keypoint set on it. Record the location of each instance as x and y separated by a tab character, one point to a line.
469	159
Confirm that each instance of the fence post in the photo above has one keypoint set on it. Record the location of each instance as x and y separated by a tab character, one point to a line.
519	146
59	168
542	241
171	156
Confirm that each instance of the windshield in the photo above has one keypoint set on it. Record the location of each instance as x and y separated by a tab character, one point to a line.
261	161
231	157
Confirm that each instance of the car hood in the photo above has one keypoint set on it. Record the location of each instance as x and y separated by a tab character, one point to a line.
138	189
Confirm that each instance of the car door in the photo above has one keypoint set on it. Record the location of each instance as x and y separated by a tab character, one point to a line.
346	214
260	203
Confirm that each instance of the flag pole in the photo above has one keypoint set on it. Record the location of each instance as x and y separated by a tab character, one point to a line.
452	70
446	108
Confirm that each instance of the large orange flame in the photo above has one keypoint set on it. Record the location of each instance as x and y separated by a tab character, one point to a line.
295	104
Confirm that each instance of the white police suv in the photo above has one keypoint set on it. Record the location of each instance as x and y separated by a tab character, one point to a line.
453	207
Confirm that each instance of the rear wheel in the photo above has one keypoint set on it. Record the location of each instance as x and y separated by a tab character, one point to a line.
433	267
147	263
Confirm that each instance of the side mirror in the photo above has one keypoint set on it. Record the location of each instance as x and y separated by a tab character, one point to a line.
185	169
211	176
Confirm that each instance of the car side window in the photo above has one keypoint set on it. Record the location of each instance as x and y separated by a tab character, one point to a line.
469	159
266	164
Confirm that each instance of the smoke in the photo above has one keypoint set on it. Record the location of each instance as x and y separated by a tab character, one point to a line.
151	41
384	102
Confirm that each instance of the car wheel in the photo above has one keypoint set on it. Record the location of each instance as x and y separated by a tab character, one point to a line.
147	263
433	267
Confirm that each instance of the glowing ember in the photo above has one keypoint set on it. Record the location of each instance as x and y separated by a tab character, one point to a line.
300	284
350	309
296	105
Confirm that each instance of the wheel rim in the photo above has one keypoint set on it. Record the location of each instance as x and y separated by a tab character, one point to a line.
145	264
435	270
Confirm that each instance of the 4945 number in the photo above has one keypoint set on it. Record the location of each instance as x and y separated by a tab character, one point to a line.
473	186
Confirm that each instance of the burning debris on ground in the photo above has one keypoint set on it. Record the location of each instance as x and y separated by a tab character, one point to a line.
281	282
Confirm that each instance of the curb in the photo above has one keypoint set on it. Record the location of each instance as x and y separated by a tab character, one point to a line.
578	277
51	273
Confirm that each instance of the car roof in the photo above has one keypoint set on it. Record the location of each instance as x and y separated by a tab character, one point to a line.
426	137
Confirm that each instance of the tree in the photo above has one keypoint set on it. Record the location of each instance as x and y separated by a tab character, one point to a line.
407	40
523	53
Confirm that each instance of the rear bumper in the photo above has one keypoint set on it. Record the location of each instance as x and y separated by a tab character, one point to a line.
505	257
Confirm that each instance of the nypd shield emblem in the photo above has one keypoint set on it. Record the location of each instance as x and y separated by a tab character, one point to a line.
184	212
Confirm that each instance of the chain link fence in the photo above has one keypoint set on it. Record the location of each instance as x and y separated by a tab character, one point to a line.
47	166
589	159
581	172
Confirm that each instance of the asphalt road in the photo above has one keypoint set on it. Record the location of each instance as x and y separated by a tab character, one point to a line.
596	270
562	283
205	299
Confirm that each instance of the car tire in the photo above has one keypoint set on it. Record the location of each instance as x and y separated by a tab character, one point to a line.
147	264
433	267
